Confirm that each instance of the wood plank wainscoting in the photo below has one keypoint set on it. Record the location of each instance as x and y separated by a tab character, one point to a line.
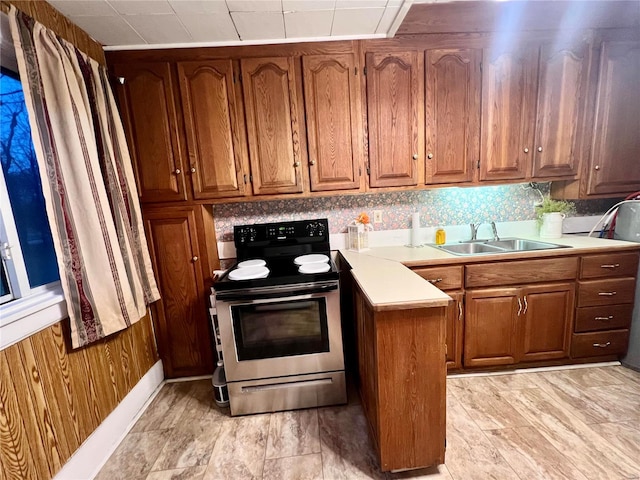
52	398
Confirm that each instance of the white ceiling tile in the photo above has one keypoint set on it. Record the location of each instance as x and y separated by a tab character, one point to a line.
159	28
210	27
308	24
95	8
395	3
199	6
360	3
141	7
306	5
354	21
254	5
387	19
259	25
109	30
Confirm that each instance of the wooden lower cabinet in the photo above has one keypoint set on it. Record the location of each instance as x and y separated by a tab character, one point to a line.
402	374
453	330
180	316
504	326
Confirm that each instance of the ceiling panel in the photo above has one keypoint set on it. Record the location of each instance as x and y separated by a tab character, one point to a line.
259	25
84	7
161	29
210	27
356	21
141	7
109	30
387	19
254	5
199	6
306	5
308	24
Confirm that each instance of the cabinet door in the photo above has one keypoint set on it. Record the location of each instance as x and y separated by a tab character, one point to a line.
546	321
508	95
452	109
615	164
148	108
562	89
334	121
180	319
395	104
491	327
215	138
455	319
271	103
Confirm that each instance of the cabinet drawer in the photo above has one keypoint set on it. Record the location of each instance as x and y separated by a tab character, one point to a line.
445	278
610	342
522	271
609	265
605	317
606	292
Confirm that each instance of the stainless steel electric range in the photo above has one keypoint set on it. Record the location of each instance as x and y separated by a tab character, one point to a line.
279	319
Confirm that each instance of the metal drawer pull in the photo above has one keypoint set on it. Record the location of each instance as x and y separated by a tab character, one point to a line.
602	345
526	305
607	294
519	306
277	386
614	265
435	280
460	311
604	319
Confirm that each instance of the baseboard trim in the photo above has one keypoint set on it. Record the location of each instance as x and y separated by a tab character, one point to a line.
87	461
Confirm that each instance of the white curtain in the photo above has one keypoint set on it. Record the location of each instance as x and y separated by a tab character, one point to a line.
88	183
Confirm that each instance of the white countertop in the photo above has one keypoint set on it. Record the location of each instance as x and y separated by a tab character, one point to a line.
383	276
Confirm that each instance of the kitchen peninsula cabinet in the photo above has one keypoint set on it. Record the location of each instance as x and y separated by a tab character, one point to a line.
334	121
180	317
275	124
214	128
395	115
147	95
452	112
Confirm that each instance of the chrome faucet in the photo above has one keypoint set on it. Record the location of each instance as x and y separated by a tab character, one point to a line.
475	227
496	238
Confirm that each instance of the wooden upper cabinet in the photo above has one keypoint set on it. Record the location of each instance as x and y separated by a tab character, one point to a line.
215	136
615	153
508	93
334	121
148	109
273	124
562	90
452	110
395	118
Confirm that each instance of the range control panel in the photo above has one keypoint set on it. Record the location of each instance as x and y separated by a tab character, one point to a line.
267	234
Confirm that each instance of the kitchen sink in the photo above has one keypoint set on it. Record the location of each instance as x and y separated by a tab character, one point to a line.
505	245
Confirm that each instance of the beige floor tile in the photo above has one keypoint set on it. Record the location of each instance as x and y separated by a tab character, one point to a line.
470	455
439	472
590	453
625	436
621	401
489	411
626	375
191	473
306	467
134	456
166	409
594	377
293	433
347	452
239	449
532	456
493	383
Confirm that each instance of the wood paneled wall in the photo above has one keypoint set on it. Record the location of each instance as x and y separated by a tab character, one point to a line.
53	398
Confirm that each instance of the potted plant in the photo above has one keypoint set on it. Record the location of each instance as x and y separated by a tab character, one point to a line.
550	214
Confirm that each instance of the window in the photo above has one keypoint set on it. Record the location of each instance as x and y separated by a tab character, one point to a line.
30	293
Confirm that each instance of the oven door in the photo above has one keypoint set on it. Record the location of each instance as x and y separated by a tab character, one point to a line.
280	331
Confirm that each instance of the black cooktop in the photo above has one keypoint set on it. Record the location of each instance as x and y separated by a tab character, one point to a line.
278	244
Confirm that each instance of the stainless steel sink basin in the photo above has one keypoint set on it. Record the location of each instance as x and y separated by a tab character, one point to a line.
505	245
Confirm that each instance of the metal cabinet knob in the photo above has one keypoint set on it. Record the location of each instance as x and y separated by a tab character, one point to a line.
539	149
415	156
177	171
430	156
194	258
597	167
296	164
526	150
312	162
193	169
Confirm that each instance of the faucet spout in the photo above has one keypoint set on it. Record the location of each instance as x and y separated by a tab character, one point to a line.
474	230
496	238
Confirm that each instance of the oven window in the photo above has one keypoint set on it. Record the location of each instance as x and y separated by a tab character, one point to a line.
280	329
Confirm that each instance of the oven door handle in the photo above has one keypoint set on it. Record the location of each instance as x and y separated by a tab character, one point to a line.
276	292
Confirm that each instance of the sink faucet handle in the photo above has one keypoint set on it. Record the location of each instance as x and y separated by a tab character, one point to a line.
474	230
496	238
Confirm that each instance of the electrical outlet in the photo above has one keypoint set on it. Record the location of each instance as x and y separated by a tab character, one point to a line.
377	216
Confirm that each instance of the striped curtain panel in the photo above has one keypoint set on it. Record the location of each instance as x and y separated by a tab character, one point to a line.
87	181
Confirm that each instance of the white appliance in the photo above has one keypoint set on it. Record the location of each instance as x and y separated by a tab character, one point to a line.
628	228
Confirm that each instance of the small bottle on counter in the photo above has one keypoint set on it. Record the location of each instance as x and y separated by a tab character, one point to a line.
441	236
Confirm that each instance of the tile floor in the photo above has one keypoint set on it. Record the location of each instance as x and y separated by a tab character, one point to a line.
567	424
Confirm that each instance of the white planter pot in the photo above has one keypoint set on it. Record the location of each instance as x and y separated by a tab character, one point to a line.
551	225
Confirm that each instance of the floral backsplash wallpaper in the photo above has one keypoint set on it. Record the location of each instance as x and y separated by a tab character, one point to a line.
444	206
